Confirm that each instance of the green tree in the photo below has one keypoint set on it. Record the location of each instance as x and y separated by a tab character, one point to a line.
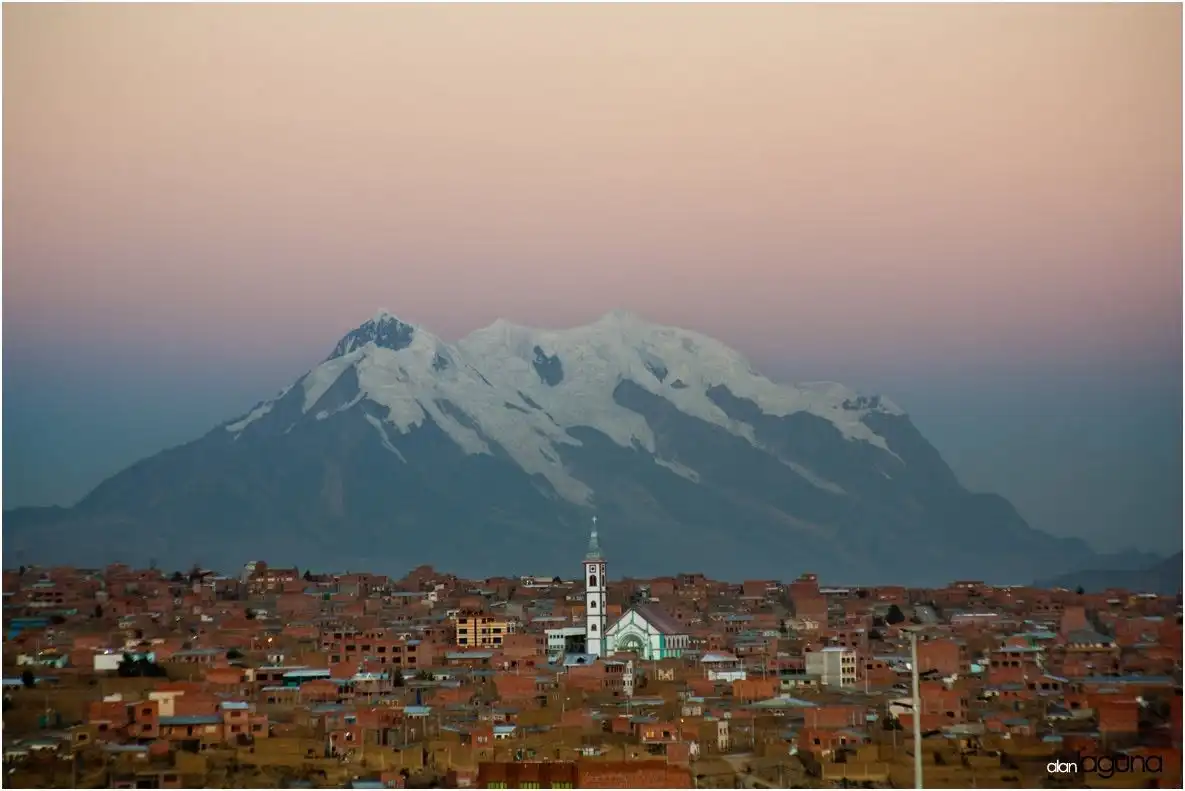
28	679
894	615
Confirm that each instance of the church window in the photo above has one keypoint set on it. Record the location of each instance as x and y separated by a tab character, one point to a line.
592	605
592	580
593	627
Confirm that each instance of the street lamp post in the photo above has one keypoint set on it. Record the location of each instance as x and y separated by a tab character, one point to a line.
917	710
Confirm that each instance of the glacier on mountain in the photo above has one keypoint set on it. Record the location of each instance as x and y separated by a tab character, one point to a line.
522	390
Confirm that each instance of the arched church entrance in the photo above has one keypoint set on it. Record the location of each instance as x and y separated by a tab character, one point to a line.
631	644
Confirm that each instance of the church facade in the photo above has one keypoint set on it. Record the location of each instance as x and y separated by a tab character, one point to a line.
645	630
648	632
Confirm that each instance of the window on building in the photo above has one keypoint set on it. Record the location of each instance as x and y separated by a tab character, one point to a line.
592	605
593	627
592	580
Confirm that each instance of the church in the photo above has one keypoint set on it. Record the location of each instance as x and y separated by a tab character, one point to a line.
645	630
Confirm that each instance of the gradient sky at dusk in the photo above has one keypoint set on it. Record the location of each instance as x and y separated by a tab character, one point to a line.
974	209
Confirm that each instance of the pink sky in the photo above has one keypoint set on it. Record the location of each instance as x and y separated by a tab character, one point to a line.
934	181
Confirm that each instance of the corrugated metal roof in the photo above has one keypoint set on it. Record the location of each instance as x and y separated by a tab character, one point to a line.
192	719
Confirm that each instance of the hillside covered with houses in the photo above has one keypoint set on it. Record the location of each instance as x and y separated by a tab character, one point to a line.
279	677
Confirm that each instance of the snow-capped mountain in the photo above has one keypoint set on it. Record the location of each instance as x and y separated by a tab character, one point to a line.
490	454
507	387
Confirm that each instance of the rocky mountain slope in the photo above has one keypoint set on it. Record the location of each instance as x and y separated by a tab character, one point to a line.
489	456
1162	577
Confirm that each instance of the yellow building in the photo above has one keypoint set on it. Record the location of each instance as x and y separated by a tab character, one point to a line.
480	630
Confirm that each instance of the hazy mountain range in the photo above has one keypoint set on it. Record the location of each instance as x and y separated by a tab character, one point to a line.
1162	576
490	456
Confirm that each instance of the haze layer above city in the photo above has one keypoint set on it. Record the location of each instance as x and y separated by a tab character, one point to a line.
973	210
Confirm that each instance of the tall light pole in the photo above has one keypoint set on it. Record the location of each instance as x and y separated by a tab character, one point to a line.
917	709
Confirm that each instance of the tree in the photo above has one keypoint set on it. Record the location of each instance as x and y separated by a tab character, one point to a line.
1080	590
28	679
133	668
234	653
397	679
894	615
177	577
250	614
308	576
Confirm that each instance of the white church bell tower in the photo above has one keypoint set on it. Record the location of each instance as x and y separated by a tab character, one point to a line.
594	595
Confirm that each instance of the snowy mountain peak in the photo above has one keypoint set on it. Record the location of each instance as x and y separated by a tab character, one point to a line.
385	330
525	393
621	316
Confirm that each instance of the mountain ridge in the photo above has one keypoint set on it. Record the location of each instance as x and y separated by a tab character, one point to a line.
418	448
1163	577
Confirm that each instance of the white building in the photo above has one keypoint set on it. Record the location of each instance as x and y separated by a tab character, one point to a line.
107	662
566	640
722	666
835	666
628	676
648	632
594	596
